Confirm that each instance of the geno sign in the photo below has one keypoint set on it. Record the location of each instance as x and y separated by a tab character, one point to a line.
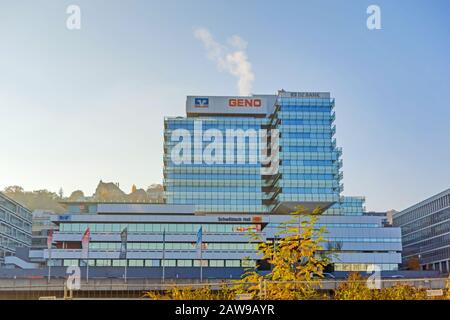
242	102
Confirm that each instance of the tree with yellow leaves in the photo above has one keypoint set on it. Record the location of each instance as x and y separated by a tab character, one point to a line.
401	292
297	259
448	287
190	293
355	288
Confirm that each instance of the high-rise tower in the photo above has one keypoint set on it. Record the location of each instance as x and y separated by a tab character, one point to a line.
214	158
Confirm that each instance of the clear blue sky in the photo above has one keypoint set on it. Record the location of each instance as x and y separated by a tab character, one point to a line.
80	106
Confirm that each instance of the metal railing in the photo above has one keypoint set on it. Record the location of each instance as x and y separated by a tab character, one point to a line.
23	289
151	284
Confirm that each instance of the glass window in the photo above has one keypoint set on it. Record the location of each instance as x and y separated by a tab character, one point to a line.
216	263
232	263
170	263
156	263
118	263
70	262
184	263
197	263
103	263
248	263
151	263
135	263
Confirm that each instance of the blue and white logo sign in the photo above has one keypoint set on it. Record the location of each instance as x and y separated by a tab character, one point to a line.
65	217
201	102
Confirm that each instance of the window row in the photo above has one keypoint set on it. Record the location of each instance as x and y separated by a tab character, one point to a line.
214	176
214	189
306	135
307	122
153	227
337	225
429	232
427	221
15	233
14	220
158	263
365	266
307	108
114	246
210	200
308	190
423	210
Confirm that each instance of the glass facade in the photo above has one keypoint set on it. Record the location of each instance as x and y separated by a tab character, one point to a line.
426	232
363	267
218	187
348	206
41	225
234	263
228	241
309	166
154	227
15	227
309	156
142	246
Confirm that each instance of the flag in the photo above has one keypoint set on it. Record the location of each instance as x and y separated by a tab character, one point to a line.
49	239
199	237
164	239
164	249
85	244
123	245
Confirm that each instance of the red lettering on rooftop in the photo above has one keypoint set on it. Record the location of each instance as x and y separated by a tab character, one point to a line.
242	102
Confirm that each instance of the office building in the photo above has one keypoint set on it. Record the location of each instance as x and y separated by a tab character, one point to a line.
235	180
42	226
233	164
15	227
426	233
172	229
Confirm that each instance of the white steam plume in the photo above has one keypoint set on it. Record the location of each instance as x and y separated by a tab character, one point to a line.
231	58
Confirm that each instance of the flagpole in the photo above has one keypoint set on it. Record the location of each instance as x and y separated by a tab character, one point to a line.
200	242
126	267
49	263
201	260
87	265
164	257
49	247
85	250
124	250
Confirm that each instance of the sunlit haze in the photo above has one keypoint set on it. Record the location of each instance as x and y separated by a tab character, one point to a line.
88	105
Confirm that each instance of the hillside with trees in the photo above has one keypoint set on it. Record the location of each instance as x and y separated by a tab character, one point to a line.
105	192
